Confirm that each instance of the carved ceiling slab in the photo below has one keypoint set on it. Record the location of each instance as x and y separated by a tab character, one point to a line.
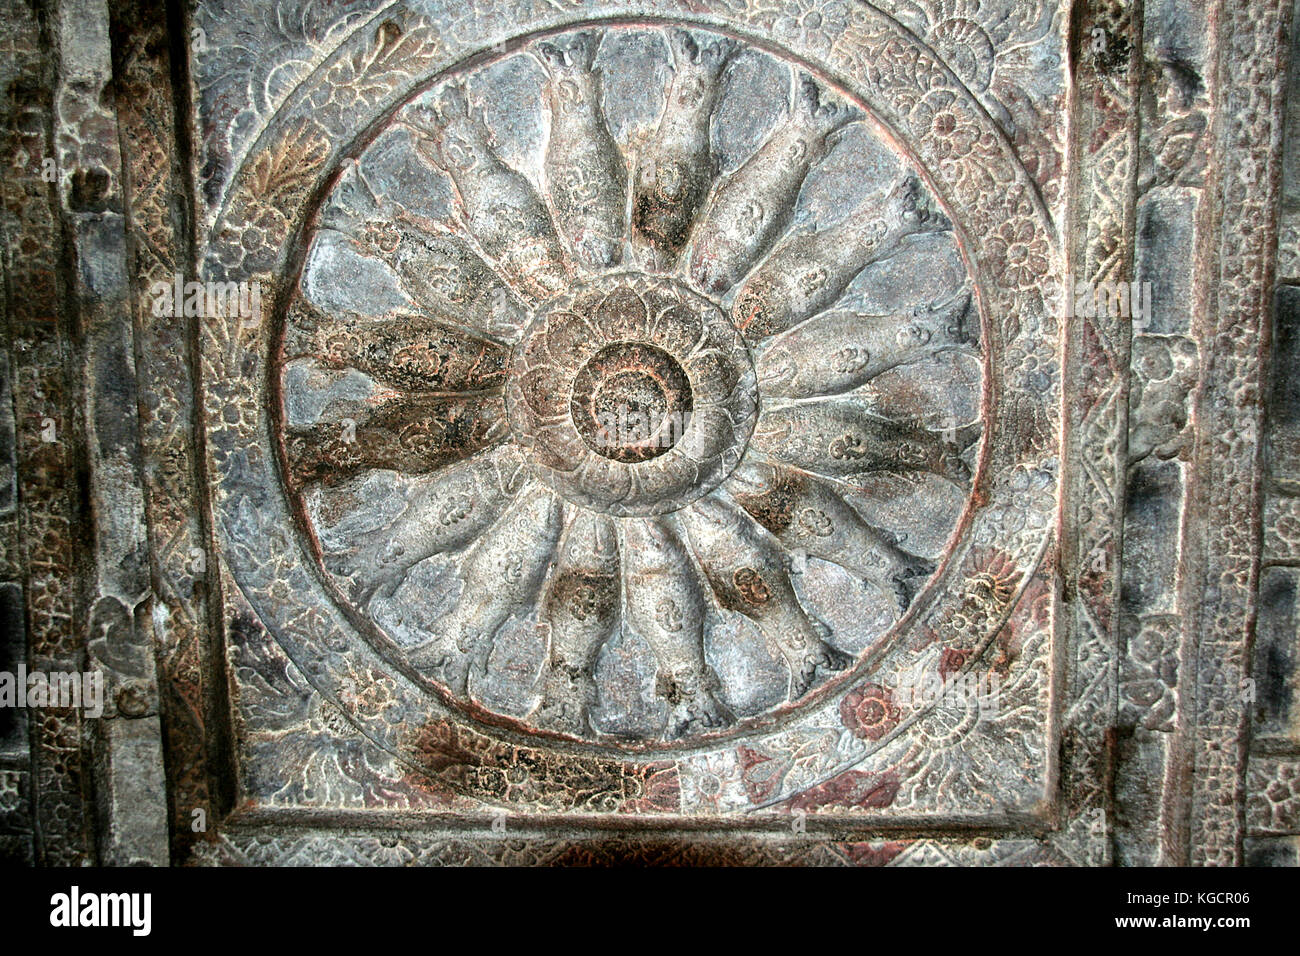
646	403
668	430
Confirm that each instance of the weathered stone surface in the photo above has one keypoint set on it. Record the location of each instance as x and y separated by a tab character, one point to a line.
590	418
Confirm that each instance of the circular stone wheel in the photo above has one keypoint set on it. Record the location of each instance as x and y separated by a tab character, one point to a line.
623	410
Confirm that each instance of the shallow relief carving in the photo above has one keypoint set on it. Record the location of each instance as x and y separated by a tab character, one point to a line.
688	477
658	419
603	453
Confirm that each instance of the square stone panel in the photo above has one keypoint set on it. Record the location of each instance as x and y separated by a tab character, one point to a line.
660	431
690	452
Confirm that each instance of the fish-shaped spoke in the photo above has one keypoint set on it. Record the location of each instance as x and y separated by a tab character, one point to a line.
412	433
809	269
437	270
838	351
676	168
413	353
501	209
749	573
501	574
839	437
754	205
810	516
579	613
666	605
585	173
443	512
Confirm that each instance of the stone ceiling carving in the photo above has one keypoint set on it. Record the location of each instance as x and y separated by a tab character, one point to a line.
658	414
440	503
566	431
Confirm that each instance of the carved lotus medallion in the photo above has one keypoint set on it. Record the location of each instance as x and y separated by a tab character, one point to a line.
611	395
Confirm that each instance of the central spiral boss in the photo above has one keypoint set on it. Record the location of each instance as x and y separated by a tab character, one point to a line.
632	395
